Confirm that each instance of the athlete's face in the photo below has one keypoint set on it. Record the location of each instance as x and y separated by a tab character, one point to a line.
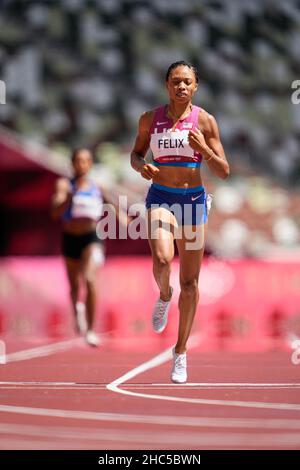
181	84
82	162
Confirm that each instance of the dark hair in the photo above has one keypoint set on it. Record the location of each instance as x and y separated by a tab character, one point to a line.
79	149
186	64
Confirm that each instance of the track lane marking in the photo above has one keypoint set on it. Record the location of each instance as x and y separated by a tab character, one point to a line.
158	386
163	420
165	356
90	436
42	351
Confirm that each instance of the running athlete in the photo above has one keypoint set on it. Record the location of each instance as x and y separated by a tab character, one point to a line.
78	202
180	136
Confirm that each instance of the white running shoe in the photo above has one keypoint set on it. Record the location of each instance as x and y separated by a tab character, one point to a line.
179	374
81	322
160	314
92	338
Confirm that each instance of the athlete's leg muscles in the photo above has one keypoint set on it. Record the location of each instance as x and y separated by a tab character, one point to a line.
161	224
91	259
190	262
73	272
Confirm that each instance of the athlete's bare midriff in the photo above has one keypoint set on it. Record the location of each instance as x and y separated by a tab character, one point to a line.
178	177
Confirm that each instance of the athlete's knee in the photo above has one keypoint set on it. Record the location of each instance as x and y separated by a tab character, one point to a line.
189	286
161	261
90	283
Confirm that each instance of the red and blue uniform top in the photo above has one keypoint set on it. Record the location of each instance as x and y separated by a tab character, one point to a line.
86	203
169	145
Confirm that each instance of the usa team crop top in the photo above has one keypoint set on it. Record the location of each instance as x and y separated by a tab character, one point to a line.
86	203
171	147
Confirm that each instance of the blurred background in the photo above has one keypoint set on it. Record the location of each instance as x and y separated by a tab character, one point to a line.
80	72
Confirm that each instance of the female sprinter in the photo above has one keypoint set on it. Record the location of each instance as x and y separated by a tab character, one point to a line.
180	136
79	203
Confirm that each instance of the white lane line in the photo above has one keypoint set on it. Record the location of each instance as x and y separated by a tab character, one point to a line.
2	352
162	420
230	384
90	436
11	387
42	351
156	361
145	386
232	441
68	384
130	441
166	356
200	401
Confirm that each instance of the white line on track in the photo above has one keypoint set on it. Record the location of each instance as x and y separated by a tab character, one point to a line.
205	385
144	386
96	437
146	441
42	351
163	420
166	356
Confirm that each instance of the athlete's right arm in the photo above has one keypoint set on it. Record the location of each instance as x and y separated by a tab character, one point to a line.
61	198
141	147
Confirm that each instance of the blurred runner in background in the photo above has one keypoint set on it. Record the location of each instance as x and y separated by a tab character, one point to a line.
79	203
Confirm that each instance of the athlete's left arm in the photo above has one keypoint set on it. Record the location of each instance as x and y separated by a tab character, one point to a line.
208	143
